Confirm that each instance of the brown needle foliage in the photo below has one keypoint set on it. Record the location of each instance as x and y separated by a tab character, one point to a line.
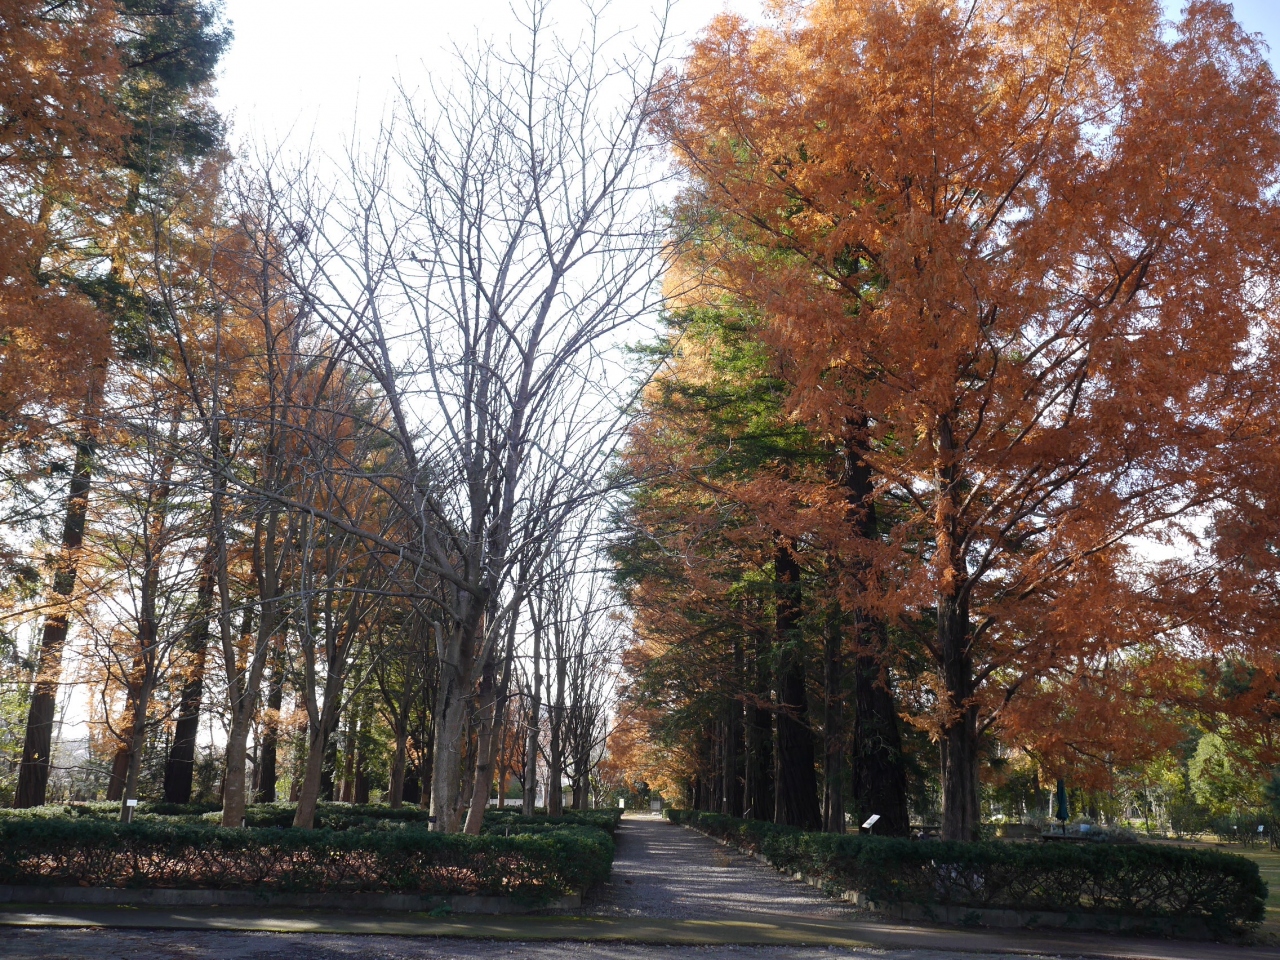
1021	250
58	131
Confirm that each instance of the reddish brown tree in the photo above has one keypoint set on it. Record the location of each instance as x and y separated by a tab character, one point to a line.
1026	243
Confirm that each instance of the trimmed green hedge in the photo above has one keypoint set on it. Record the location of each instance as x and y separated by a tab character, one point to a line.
531	866
1143	880
329	816
606	820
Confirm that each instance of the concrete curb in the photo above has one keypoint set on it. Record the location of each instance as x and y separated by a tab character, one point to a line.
126	897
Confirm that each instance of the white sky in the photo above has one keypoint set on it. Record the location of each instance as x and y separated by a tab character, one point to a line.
304	66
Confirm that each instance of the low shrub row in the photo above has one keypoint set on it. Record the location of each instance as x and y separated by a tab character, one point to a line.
1141	880
607	819
329	816
533	866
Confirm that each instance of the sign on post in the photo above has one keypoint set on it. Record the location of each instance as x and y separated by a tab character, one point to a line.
871	822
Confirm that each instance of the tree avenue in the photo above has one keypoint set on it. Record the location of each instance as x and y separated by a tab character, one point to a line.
949	475
1014	261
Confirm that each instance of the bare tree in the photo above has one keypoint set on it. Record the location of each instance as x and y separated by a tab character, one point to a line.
487	255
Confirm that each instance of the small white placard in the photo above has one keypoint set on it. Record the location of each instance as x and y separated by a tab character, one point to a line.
871	821
131	803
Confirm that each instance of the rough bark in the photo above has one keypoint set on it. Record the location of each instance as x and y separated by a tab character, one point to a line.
961	810
492	718
796	789
362	776
180	767
268	765
137	743
482	781
958	732
555	766
878	770
451	722
530	797
33	769
396	782
348	792
233	783
833	734
317	770
758	766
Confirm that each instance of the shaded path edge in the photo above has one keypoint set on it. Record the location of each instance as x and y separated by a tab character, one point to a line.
775	931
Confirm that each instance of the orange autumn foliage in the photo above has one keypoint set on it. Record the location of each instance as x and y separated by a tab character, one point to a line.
59	130
1019	254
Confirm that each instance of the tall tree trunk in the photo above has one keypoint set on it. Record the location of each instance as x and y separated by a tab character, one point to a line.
450	725
328	771
362	775
833	736
233	783
128	725
268	772
878	768
555	772
396	784
137	743
244	703
426	775
349	757
492	718
318	769
961	809
33	770
180	767
758	768
797	780
477	797
734	743
530	798
120	761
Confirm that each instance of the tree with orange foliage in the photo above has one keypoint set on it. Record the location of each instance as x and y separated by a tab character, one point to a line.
1014	251
733	597
59	129
99	101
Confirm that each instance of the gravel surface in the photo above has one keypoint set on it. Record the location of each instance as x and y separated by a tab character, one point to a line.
661	870
52	944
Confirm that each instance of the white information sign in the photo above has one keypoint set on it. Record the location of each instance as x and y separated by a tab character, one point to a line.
871	821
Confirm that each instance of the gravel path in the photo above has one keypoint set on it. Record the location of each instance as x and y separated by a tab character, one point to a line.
665	871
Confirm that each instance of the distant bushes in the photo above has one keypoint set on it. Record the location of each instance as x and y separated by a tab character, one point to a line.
607	819
1143	880
329	816
533	866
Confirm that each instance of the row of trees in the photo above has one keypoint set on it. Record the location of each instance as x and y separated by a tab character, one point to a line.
327	449
965	451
